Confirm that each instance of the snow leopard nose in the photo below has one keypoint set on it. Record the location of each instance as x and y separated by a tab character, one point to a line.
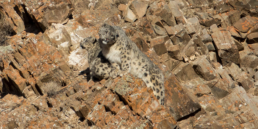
106	32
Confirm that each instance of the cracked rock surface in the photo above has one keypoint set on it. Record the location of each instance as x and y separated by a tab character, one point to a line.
207	50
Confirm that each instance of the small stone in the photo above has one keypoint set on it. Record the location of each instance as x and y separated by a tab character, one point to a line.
204	68
210	21
173	30
214	28
245	81
210	46
256	76
234	71
233	31
239	45
186	59
167	16
205	36
213	56
122	7
160	49
253	36
234	16
84	111
158	27
254	48
192	57
174	52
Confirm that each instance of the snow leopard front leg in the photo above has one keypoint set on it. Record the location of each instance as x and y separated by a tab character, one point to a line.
125	62
115	70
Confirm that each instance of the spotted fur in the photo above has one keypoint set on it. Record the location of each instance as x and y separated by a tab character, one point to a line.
118	48
99	67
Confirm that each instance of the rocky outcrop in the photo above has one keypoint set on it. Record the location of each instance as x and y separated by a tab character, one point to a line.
206	49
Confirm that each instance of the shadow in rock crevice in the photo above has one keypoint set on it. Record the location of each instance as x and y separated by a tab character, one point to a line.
31	24
9	87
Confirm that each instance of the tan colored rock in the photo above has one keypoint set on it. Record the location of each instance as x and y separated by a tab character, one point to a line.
239	45
175	96
230	102
80	5
250	61
226	81
158	40
213	56
185	72
210	46
200	47
220	90
140	42
254	48
171	63
16	82
129	15
59	37
233	31
245	81
245	23
139	8
122	7
160	49
214	28
205	36
166	15
146	106
84	111
204	68
45	15
207	21
193	25
177	12
227	49
234	71
158	26
146	27
13	18
253	36
246	51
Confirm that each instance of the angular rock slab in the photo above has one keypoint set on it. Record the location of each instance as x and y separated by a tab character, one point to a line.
242	105
227	49
139	8
204	69
129	15
14	19
177	102
46	15
134	93
254	48
245	23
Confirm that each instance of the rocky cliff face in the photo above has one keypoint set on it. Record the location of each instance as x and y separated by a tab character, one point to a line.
207	50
